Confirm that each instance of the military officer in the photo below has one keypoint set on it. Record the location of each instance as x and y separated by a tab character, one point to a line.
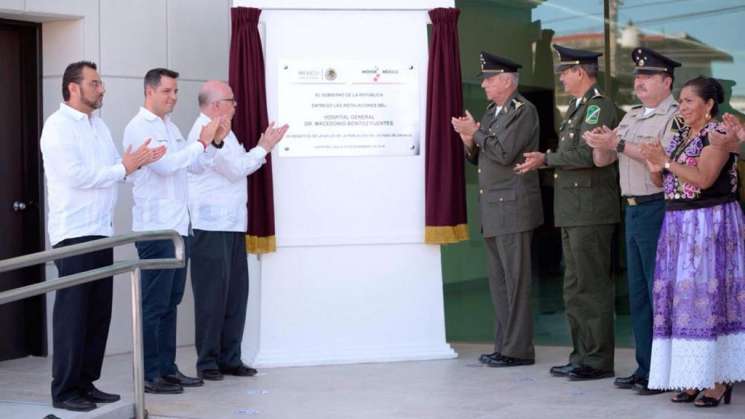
586	207
510	204
652	121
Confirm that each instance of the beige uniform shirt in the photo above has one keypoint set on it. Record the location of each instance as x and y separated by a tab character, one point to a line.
636	128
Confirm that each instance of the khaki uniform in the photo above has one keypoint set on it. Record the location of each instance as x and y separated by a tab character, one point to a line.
511	208
636	128
586	207
645	209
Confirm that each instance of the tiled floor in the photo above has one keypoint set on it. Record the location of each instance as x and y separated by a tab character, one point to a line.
452	389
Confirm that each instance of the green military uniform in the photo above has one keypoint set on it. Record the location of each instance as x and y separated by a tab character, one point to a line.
510	210
586	207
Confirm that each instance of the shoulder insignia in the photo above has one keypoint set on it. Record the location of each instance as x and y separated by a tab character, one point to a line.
593	114
678	123
517	104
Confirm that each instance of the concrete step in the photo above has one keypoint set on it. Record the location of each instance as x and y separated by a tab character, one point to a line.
10	409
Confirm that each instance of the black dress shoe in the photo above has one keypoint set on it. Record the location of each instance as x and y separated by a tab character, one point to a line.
211	374
76	404
562	370
628	382
508	361
642	387
486	358
160	386
240	371
584	372
97	396
184	381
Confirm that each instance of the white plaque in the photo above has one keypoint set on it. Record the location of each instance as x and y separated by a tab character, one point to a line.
348	108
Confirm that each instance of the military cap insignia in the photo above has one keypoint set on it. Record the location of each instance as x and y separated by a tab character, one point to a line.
593	114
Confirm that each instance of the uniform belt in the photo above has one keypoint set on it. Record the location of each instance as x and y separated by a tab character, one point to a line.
636	200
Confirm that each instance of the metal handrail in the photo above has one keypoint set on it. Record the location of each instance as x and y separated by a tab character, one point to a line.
119	267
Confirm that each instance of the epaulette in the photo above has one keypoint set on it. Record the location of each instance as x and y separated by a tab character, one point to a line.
516	103
678	123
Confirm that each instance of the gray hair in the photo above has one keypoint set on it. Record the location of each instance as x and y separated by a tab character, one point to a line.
590	69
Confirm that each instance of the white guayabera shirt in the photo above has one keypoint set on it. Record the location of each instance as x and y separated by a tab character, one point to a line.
218	195
82	169
160	190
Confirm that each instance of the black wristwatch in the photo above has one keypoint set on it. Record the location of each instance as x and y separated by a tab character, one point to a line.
621	146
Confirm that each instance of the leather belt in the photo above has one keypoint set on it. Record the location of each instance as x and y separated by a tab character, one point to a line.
637	200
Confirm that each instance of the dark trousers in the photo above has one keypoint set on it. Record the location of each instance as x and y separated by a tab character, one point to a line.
80	323
508	256
643	223
219	280
589	294
162	291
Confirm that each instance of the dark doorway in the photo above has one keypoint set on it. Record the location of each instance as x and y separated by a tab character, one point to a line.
22	323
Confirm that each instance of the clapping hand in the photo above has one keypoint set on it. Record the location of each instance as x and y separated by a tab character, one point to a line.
655	156
208	133
223	129
465	126
133	160
729	135
272	136
602	138
533	160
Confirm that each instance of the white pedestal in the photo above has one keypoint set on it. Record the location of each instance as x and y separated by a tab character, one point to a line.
335	305
352	280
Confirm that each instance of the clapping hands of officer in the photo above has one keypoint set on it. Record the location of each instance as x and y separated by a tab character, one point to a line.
466	126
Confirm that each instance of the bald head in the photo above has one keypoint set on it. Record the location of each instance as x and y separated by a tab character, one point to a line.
216	99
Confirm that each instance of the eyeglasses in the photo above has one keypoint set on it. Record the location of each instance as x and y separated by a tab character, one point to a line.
229	99
92	83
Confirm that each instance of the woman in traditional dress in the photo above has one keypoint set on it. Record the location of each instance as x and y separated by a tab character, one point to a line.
699	283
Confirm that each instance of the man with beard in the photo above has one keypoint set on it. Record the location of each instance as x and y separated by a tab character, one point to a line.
160	203
82	169
648	123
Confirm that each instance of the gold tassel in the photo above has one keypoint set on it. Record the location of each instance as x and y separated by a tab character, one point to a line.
259	245
445	234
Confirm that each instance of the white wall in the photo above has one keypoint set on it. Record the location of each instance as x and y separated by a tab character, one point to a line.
125	39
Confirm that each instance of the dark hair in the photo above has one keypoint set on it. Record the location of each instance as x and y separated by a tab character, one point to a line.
672	78
74	74
152	77
708	88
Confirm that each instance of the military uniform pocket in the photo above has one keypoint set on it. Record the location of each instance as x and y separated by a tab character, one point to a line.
577	196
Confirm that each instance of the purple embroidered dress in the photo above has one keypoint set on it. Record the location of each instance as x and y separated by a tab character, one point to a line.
699	281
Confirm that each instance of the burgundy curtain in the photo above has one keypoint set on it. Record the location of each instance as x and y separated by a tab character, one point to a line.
246	77
445	213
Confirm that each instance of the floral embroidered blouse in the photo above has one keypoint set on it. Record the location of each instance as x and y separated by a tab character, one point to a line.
683	195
